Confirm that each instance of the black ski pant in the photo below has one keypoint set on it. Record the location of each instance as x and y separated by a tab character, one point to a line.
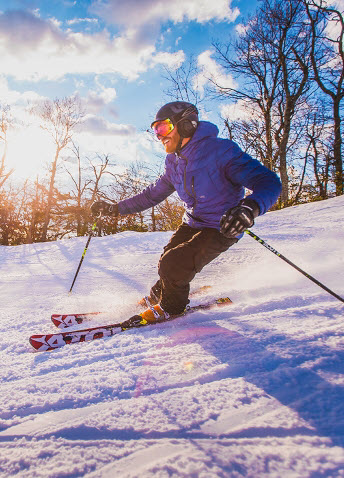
187	252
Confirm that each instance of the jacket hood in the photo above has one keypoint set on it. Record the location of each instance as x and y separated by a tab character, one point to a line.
205	129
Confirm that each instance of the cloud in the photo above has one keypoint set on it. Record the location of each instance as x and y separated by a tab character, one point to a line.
99	99
171	61
99	126
210	70
241	110
139	12
333	28
144	17
19	102
75	21
339	4
33	49
241	29
21	30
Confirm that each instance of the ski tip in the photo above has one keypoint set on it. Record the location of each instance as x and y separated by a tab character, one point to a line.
41	342
36	342
58	321
64	321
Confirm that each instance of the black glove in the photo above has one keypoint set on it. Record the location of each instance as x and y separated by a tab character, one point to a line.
239	218
107	209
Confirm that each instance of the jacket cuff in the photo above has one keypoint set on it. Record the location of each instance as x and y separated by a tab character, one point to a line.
251	203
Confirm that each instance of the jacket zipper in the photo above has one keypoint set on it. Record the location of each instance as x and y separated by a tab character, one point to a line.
192	193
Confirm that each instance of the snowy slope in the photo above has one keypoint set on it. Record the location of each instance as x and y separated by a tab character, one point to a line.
255	389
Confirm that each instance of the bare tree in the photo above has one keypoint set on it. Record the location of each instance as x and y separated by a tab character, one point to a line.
169	214
102	176
14	213
327	56
271	63
133	181
81	184
183	85
100	166
319	151
250	132
60	117
35	210
5	122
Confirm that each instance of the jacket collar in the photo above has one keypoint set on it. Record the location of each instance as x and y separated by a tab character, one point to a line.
205	129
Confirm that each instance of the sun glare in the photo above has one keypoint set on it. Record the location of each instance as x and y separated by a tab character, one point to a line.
28	153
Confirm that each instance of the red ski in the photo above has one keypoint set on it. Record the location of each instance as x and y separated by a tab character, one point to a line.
62	321
67	320
43	342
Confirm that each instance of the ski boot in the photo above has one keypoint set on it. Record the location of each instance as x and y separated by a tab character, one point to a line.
155	313
147	301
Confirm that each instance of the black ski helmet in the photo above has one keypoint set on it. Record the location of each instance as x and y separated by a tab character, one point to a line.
184	115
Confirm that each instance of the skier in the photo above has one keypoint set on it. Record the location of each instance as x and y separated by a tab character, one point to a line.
210	175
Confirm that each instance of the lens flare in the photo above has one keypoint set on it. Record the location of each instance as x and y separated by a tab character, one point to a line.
188	366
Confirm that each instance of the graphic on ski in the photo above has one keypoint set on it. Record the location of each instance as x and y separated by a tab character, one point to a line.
62	321
43	342
67	320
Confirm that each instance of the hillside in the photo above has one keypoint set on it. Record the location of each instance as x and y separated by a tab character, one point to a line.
254	389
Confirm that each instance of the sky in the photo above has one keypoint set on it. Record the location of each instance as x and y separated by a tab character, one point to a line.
110	53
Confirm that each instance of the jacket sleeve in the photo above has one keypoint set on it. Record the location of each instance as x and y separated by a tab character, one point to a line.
149	197
241	169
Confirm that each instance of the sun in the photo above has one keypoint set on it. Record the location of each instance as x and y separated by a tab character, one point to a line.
29	152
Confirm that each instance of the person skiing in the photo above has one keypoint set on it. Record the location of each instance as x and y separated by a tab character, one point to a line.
210	175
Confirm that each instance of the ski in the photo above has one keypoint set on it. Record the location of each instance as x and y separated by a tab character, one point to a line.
62	321
44	342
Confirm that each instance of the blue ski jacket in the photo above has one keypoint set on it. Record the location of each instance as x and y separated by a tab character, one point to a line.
210	175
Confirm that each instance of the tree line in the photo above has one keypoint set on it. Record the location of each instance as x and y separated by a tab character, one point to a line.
59	205
287	62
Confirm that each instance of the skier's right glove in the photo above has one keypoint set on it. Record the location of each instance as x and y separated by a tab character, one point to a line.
107	209
239	218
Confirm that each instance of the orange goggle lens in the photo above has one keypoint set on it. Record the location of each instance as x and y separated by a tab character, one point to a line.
163	128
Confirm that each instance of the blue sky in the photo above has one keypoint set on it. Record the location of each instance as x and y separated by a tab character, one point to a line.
112	54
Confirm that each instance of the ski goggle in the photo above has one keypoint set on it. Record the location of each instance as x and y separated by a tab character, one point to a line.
163	127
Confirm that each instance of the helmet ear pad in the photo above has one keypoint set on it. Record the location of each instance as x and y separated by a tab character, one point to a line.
186	127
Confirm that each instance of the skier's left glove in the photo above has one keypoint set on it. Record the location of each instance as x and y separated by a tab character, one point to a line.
239	218
108	209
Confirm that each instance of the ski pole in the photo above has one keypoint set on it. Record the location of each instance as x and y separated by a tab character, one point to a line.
258	239
85	250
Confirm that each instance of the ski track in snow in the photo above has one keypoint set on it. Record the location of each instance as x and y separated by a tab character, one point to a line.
254	389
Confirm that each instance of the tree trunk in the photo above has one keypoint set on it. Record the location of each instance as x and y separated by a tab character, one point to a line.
153	220
337	149
50	196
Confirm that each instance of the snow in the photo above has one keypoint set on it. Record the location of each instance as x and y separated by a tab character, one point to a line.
253	389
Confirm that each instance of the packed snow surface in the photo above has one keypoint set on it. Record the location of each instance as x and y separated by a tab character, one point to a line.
254	389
